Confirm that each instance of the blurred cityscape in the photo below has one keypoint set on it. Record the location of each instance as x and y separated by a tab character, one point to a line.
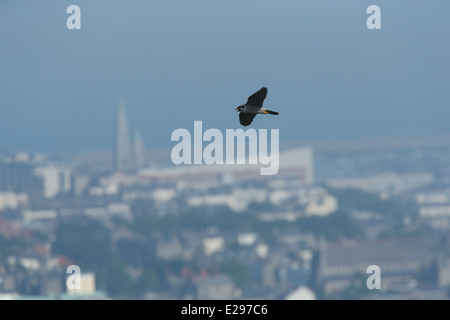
140	227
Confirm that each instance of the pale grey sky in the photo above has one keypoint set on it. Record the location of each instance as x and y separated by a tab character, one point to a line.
174	62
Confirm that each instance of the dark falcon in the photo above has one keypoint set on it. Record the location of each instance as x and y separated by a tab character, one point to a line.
253	106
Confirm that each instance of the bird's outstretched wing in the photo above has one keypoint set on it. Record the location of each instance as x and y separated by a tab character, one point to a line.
246	118
257	99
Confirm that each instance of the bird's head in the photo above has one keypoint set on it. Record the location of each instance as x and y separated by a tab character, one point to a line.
240	108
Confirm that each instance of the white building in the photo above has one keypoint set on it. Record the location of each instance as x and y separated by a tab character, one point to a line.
212	245
301	293
56	180
385	184
11	200
237	201
86	285
295	162
36	215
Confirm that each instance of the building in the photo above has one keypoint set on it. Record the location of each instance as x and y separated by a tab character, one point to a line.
11	200
385	184
295	163
400	260
87	285
301	293
20	178
56	180
298	162
216	287
123	159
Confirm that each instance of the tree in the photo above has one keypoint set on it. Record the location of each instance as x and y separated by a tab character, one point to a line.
357	289
236	270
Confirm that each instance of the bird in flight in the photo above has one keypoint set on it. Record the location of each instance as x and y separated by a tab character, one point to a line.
253	106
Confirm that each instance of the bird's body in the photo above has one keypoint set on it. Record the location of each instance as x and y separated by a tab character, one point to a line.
254	106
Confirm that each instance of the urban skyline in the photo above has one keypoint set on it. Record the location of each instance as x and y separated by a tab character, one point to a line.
362	203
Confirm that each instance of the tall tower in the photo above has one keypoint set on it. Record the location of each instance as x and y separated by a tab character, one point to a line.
123	160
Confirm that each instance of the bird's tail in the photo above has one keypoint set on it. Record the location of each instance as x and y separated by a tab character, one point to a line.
270	112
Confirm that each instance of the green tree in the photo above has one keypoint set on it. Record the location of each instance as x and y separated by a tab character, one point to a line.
357	288
148	281
236	270
12	246
118	282
86	242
